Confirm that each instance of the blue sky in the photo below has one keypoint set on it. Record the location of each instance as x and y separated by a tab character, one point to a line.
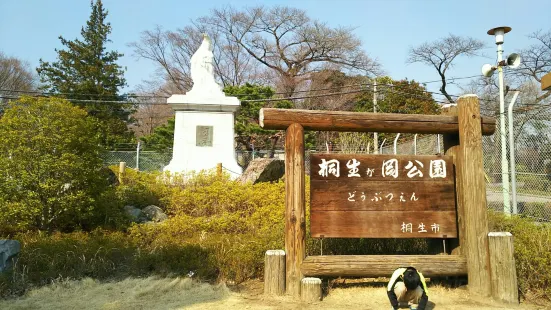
29	29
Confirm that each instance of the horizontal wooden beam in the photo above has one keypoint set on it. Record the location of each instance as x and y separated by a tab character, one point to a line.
366	122
382	265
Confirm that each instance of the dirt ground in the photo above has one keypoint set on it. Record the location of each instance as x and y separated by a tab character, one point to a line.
184	293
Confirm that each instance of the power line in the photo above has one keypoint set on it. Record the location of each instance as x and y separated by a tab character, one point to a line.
92	101
254	100
277	93
305	97
452	79
392	90
79	94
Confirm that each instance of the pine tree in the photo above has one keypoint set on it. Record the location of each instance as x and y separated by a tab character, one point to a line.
86	71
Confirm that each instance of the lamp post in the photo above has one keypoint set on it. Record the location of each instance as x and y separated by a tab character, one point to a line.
499	34
513	61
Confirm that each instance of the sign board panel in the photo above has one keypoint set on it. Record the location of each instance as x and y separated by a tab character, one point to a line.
203	136
382	196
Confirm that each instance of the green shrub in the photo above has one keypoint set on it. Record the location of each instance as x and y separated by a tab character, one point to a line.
50	166
140	189
220	229
532	242
208	194
236	223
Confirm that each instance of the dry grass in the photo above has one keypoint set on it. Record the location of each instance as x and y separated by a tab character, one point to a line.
132	293
184	293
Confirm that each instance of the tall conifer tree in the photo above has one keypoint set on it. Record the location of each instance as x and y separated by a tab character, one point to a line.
86	71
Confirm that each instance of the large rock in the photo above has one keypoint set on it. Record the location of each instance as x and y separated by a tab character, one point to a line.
8	252
154	214
134	214
263	170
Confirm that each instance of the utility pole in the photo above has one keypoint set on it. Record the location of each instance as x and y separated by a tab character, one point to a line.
375	135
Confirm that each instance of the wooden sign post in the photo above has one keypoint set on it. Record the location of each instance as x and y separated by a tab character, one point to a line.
382	196
295	219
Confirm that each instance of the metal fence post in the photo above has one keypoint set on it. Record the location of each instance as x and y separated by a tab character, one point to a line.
415	144
138	157
512	153
396	142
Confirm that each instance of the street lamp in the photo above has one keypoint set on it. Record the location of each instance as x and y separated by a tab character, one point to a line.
512	61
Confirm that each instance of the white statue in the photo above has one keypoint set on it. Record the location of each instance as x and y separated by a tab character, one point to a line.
202	70
204	121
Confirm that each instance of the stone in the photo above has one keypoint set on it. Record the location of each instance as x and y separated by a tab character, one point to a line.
204	121
263	170
154	214
9	249
110	176
134	213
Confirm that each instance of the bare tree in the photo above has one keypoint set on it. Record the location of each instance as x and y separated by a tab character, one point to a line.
286	41
148	116
15	76
487	91
152	108
527	107
171	58
441	53
331	81
171	52
536	60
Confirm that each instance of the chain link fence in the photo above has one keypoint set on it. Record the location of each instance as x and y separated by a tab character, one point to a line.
532	157
139	159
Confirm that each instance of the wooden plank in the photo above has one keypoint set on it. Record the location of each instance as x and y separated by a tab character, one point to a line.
376	167
382	265
358	195
295	221
503	269
546	82
365	121
470	176
383	224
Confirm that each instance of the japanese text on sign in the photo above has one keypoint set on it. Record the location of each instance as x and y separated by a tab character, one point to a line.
408	227
389	168
381	196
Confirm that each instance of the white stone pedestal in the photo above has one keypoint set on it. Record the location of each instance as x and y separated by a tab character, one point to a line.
203	133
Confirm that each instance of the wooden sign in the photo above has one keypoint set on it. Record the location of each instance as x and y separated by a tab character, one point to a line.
382	196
